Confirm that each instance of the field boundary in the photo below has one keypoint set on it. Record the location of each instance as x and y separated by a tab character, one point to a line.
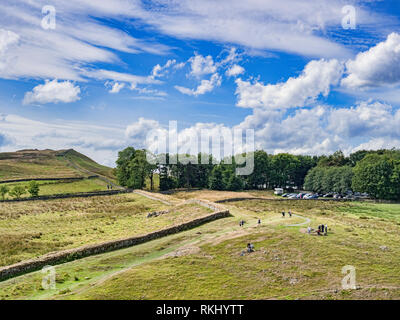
70	195
50	179
89	250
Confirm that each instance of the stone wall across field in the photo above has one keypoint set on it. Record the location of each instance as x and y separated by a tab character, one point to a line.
71	195
49	179
85	251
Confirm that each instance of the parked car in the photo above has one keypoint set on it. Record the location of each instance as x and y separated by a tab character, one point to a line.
285	195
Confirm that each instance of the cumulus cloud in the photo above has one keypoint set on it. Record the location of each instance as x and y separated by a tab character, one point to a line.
378	66
204	86
373	119
235	70
202	65
115	87
316	79
53	92
160	71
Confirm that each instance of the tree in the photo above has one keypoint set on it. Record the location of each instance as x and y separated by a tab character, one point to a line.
133	168
216	178
379	176
17	192
262	170
33	189
234	183
3	191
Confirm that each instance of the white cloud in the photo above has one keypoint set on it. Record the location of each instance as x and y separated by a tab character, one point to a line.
160	71
235	70
202	65
53	92
315	80
7	39
378	66
204	86
371	119
79	40
115	87
295	26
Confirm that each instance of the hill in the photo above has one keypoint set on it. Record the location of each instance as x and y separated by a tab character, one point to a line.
49	164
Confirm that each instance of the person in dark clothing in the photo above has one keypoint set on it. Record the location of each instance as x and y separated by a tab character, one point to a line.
290	213
283	214
259	221
322	228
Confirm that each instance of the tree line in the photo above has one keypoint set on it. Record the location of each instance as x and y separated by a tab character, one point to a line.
270	171
374	172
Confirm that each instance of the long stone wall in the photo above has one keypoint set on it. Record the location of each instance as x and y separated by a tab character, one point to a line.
49	179
85	251
71	195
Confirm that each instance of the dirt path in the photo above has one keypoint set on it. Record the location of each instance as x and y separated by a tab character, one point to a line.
307	221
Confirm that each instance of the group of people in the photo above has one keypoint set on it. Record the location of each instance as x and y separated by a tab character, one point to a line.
109	187
289	213
322	230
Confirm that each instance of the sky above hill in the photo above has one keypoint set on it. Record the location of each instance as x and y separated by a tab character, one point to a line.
309	77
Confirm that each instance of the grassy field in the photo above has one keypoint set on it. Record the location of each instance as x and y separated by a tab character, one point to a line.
53	187
206	262
32	229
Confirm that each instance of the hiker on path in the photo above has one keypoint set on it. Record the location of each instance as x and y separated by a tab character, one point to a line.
283	214
309	230
250	248
259	221
326	229
322	228
290	213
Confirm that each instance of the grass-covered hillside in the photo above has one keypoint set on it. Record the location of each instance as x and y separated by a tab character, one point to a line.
35	164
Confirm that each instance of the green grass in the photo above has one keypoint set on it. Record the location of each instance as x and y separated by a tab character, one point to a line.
205	263
287	264
28	230
31	164
54	187
88	164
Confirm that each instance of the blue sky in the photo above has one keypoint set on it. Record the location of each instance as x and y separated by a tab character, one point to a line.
109	72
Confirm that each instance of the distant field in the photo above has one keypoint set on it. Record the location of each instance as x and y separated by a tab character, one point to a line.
32	229
51	187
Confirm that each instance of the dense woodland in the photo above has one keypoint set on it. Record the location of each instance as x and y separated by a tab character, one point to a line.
374	172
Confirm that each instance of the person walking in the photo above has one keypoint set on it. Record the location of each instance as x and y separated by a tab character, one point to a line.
259	221
283	214
290	213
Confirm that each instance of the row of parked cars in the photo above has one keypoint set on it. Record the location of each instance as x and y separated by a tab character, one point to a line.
301	195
